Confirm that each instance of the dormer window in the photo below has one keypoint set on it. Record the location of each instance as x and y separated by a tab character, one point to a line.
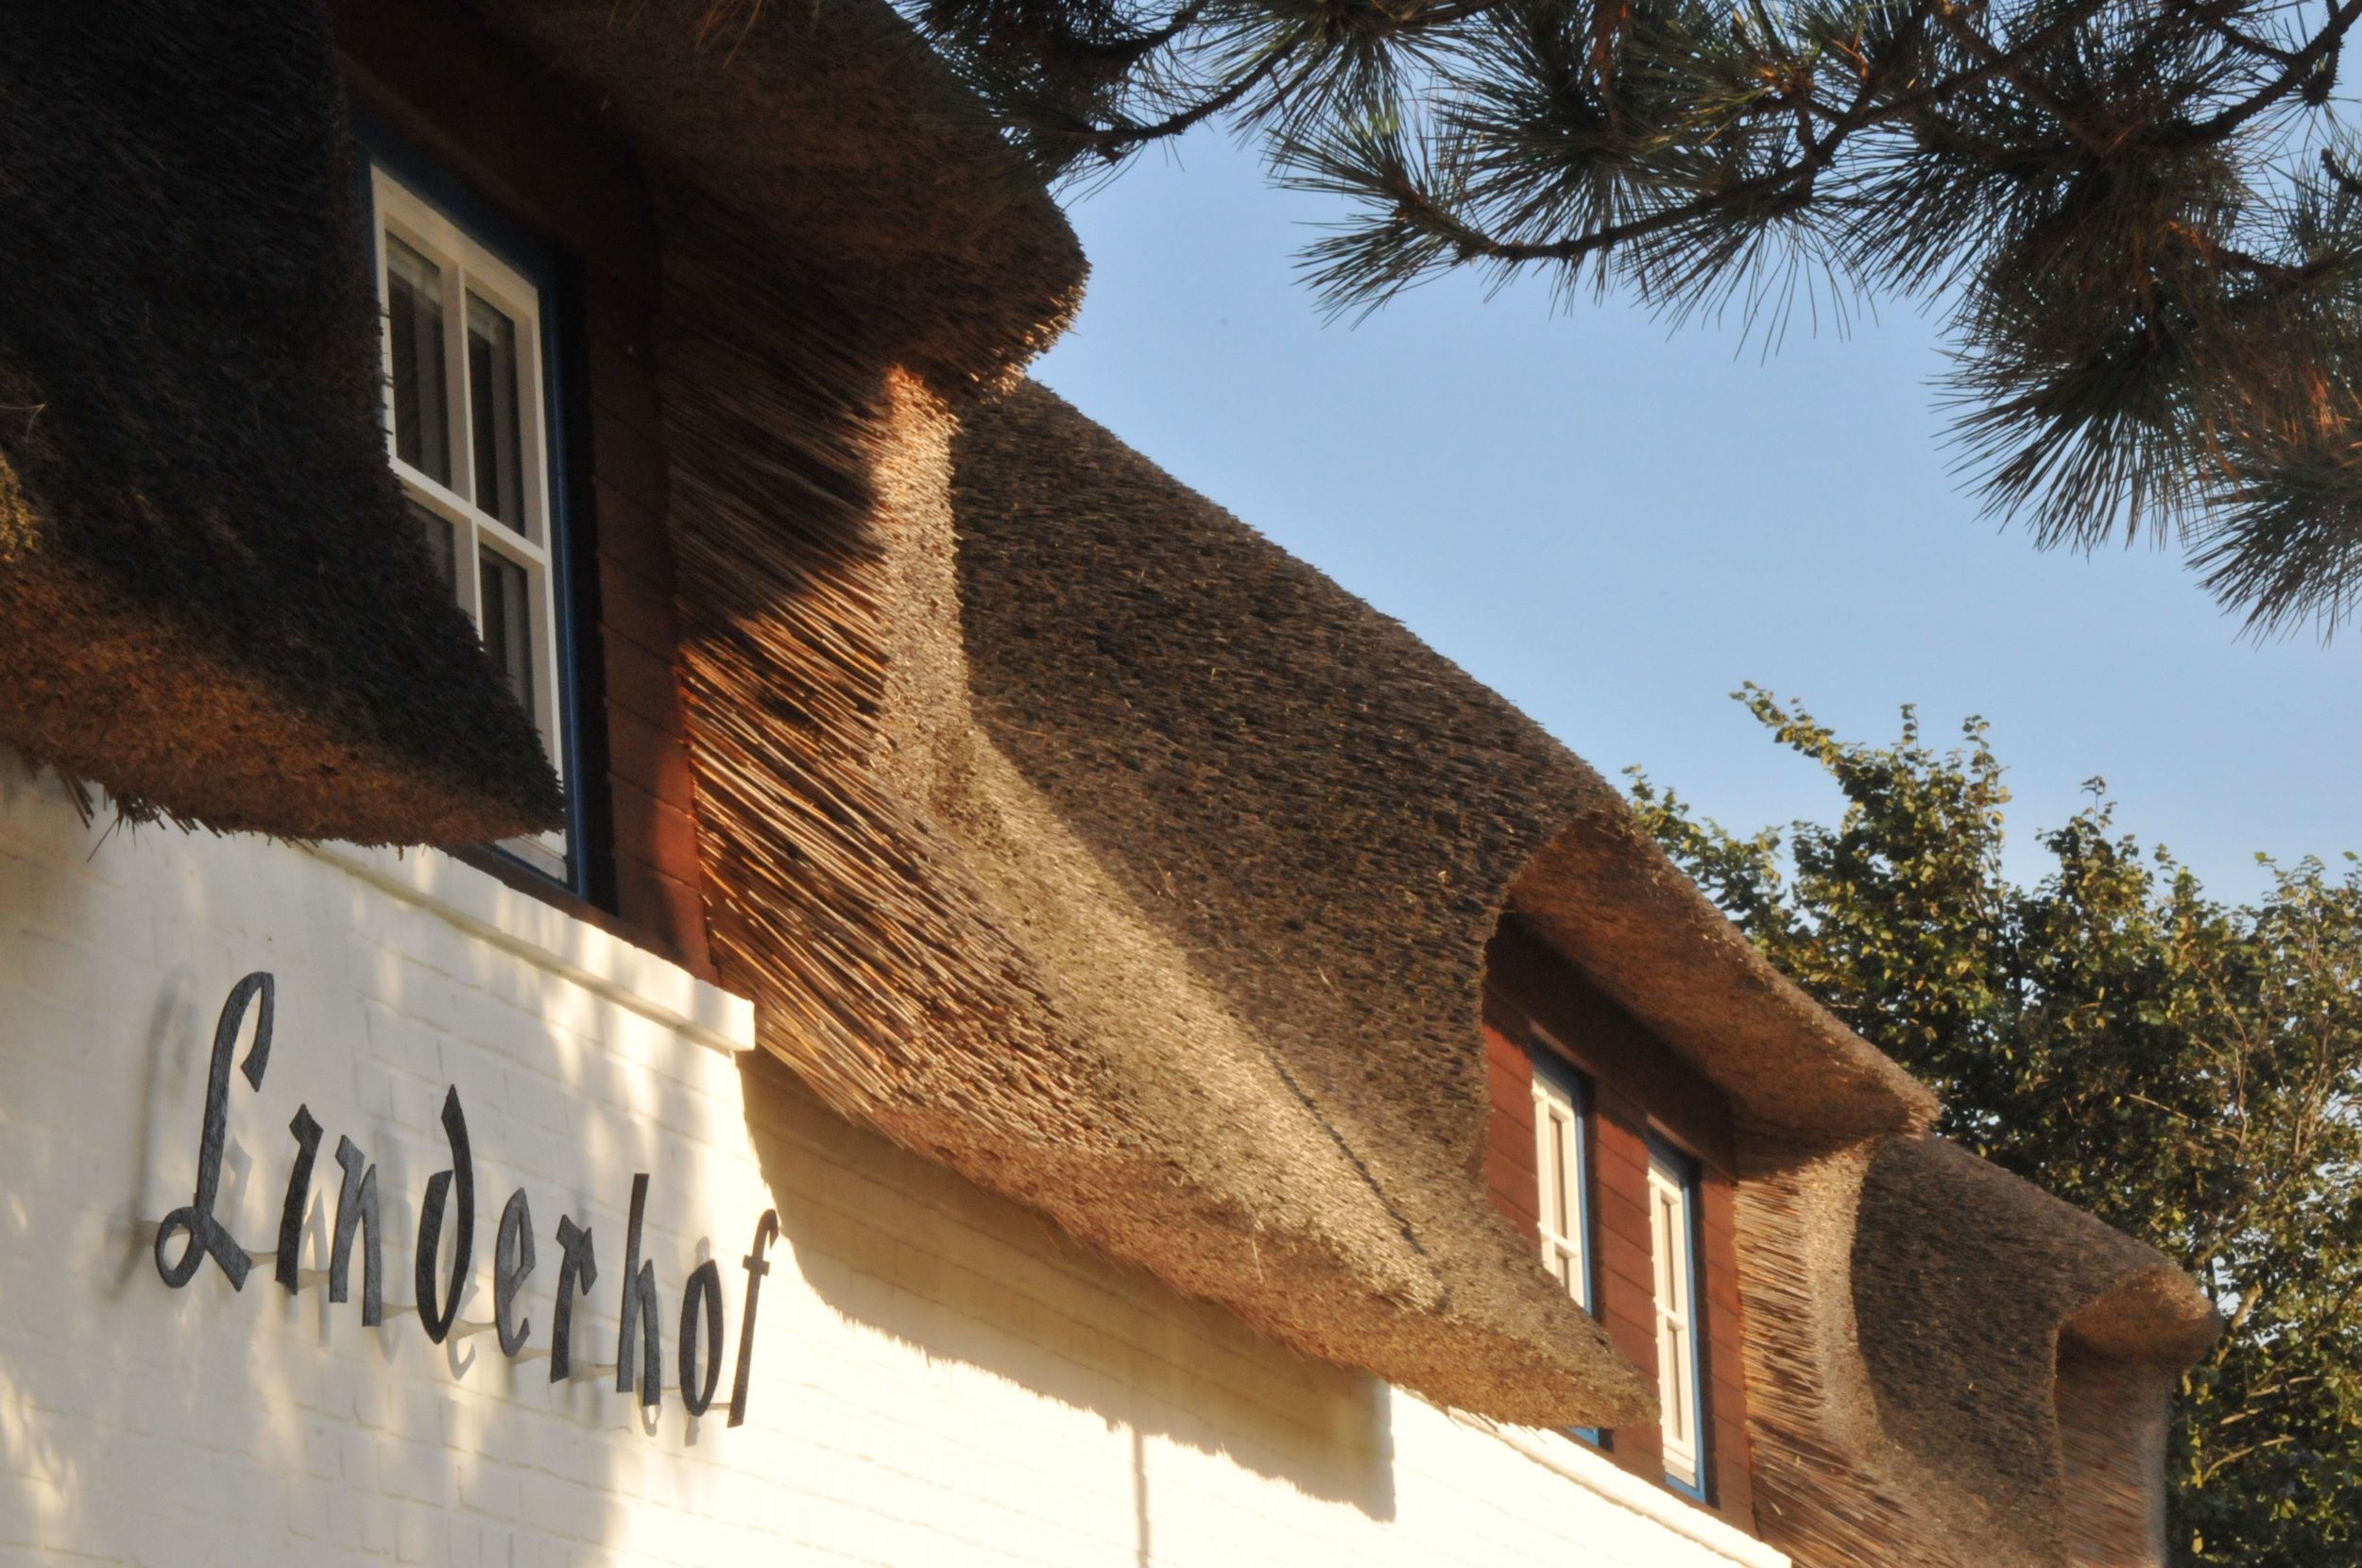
468	429
1615	1156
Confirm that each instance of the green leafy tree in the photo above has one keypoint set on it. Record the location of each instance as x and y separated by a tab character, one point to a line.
2142	217
2191	1072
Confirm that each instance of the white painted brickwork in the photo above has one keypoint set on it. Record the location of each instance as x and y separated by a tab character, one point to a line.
940	1378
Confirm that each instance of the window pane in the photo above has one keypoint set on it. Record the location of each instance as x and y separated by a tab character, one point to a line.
508	624
414	304
1561	1204
1675	1350
492	394
443	544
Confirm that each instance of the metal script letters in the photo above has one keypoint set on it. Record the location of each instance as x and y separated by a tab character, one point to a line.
577	1273
451	1194
437	1323
356	1210
206	1237
639	1308
766	1232
307	1136
512	1260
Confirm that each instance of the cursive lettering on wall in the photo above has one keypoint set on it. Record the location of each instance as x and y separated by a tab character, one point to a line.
450	1195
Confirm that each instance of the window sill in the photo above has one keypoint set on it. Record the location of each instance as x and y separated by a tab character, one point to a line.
1597	1474
532	884
546	926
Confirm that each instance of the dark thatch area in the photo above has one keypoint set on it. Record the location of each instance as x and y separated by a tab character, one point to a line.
834	134
211	602
216	607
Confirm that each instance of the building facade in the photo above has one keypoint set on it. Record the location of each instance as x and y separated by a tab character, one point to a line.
649	912
937	1374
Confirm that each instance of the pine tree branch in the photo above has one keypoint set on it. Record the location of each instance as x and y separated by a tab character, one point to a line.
2252	45
1114	140
2300	67
2010	67
1786	185
2337	172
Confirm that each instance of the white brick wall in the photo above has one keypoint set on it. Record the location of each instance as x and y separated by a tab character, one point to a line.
941	1379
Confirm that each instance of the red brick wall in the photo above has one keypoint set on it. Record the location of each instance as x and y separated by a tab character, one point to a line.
438	81
1634	1082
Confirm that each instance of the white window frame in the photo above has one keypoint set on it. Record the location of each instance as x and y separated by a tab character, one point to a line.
1562	1168
468	268
1673	1249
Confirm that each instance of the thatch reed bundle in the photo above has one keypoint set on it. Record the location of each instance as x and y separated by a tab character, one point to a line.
211	601
864	933
916	927
1812	1416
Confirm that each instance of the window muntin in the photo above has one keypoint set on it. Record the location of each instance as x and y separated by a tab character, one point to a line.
1673	1249
467	432
1561	1168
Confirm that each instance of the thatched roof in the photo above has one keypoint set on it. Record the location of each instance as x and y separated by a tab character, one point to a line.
211	601
832	134
929	943
1330	817
1315	822
1061	827
1966	1282
1158	897
1946	1365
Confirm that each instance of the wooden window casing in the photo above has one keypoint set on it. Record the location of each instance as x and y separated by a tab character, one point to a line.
467	426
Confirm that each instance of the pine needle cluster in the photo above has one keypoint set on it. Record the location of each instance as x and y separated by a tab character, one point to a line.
2144	219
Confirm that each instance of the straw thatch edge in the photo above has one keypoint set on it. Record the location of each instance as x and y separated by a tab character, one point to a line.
113	693
1946	1365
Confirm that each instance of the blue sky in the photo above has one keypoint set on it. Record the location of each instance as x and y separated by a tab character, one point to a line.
1615	524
